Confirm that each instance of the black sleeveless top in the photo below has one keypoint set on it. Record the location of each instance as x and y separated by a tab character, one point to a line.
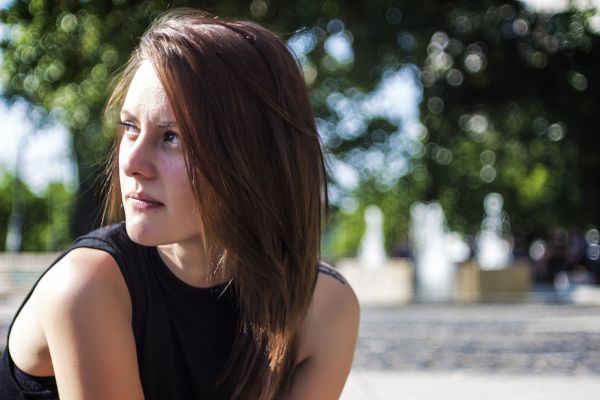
183	334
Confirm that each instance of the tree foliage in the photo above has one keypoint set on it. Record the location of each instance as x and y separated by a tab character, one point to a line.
508	99
510	107
45	224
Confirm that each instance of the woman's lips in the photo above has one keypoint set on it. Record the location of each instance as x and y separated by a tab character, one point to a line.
143	202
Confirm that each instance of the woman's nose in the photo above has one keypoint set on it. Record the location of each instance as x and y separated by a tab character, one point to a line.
137	156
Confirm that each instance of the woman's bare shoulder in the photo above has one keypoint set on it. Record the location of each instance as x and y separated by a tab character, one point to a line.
80	273
85	313
334	303
333	297
72	291
327	269
81	284
329	338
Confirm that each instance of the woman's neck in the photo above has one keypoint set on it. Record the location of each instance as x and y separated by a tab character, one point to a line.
189	262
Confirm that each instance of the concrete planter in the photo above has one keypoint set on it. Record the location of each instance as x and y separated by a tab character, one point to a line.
390	284
511	284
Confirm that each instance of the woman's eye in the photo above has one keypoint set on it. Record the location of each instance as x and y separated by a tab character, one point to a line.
172	137
128	127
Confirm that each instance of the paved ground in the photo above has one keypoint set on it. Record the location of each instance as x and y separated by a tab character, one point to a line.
524	351
510	339
519	351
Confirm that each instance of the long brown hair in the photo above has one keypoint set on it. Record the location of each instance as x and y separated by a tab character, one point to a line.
249	133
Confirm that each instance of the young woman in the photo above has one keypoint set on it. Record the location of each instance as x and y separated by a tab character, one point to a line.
212	287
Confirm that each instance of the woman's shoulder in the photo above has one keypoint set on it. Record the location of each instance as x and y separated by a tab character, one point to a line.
327	269
83	285
80	275
89	269
333	294
85	314
80	264
328	338
333	314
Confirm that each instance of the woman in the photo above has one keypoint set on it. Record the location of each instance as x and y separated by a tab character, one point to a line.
212	287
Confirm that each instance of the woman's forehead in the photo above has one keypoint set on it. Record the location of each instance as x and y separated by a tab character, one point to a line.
146	97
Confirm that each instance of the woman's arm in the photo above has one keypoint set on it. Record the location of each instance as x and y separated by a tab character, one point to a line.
85	311
327	348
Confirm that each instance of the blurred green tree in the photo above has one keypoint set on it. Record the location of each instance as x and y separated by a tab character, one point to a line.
510	98
60	55
507	99
45	224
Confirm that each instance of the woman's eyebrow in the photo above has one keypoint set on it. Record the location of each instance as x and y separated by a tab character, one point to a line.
166	124
162	124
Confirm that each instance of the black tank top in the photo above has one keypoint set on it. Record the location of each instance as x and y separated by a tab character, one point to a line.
183	334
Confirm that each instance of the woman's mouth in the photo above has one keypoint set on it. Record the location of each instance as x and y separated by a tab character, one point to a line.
143	202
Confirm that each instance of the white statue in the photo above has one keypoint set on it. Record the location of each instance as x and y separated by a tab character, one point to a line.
493	250
436	252
371	253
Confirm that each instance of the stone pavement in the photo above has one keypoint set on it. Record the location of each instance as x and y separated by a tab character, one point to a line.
516	351
511	339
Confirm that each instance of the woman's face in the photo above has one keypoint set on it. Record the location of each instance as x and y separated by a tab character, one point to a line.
156	192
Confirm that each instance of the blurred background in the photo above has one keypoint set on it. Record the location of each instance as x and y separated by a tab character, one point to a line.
461	139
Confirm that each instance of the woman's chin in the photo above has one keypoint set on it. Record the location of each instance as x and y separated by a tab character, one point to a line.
142	232
157	231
